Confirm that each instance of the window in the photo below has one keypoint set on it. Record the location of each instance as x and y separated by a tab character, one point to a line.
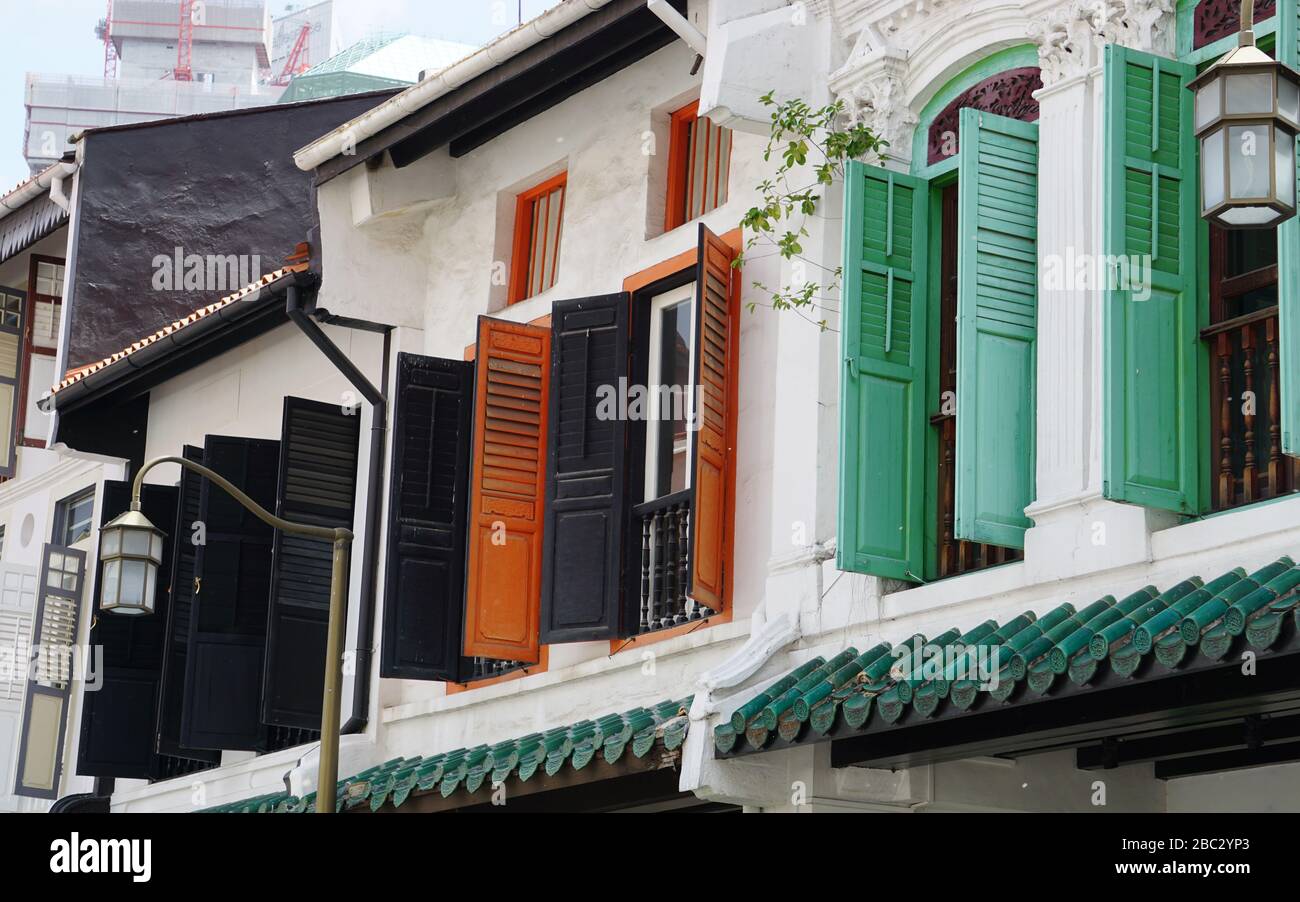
564	557
47	302
539	219
1246	459
2	542
938	405
671	396
40	341
699	165
73	518
1216	347
11	321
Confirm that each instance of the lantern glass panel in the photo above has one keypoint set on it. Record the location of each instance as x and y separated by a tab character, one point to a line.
136	541
156	548
1207	103
110	544
1250	161
1248	92
150	586
134	576
112	579
1288	100
1248	216
1212	167
1285	154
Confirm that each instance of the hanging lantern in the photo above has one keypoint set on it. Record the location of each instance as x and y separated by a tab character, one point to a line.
130	548
1247	118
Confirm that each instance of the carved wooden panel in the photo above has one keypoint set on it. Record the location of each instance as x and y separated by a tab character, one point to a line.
1009	93
1217	19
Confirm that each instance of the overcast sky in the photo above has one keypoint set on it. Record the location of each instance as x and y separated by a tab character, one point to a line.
58	37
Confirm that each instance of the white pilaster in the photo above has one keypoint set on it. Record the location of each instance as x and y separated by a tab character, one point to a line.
1070	511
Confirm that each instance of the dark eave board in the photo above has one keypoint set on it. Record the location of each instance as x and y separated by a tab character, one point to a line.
593	48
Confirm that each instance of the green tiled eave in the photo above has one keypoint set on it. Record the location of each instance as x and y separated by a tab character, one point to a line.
1028	657
467	770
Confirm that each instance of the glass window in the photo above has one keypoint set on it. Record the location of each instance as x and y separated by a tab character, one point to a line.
49	279
671	395
73	519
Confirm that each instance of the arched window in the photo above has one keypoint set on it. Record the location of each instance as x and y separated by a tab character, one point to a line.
1217	19
1009	93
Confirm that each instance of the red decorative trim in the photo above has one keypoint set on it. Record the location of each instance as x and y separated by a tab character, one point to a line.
1217	19
1009	93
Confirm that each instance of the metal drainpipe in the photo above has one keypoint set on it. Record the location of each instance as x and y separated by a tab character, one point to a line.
356	723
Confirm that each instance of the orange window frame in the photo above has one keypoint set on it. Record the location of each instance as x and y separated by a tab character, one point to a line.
631	285
521	258
681	169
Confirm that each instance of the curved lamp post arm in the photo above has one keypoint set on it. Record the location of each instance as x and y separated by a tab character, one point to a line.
270	519
327	775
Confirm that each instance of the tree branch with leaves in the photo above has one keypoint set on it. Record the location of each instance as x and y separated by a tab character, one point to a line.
800	133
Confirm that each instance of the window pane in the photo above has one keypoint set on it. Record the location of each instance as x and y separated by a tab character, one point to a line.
672	398
41	744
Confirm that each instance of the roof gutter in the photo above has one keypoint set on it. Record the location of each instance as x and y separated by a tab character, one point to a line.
46	182
346	138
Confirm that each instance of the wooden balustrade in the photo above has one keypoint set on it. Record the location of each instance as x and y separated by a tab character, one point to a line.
956	556
665	560
1246	426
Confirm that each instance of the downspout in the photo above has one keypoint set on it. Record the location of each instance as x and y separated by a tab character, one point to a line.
356	722
679	24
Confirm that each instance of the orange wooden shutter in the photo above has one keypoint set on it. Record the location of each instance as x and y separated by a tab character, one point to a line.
717	350
507	488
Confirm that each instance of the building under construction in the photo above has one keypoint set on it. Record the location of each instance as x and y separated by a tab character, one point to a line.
165	58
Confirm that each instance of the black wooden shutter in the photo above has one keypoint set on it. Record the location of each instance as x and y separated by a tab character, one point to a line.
428	514
586	471
118	720
318	486
223	677
171	692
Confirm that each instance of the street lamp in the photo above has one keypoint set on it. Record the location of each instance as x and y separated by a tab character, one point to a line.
1247	117
131	549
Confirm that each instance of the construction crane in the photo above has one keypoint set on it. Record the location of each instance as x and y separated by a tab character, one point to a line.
185	43
105	33
299	60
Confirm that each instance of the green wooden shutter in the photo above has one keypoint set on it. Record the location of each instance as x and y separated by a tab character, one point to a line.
997	315
883	421
1288	263
1150	211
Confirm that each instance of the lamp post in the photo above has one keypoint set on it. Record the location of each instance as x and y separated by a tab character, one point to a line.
131	547
1247	118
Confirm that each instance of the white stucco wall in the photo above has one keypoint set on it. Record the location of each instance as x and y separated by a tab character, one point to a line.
27	510
430	264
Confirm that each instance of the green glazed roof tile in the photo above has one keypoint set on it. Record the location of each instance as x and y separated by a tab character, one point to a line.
396	781
995	664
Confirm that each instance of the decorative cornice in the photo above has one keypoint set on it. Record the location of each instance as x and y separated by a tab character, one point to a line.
1070	36
873	90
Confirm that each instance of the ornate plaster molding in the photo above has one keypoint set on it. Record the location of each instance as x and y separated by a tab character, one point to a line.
1071	35
875	95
